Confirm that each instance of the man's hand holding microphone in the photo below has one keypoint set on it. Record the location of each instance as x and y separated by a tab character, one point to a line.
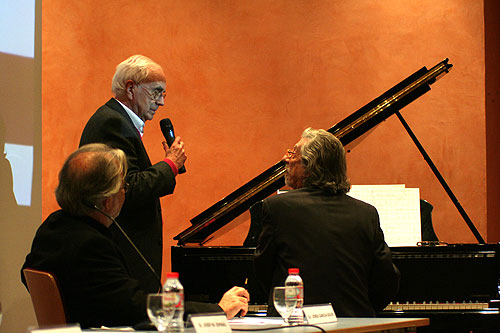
173	146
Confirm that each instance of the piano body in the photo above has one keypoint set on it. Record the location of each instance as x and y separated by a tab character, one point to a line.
447	276
456	286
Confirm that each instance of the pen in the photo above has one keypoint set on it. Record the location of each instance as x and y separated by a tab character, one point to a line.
244	286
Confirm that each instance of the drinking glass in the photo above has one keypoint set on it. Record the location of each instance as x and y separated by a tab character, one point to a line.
160	308
285	300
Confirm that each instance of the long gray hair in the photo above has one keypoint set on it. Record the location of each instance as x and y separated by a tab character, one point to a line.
323	157
90	175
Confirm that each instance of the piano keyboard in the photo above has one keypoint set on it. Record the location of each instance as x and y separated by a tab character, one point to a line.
409	306
414	306
255	308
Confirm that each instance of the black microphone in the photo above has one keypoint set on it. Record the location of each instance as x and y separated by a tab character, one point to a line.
92	206
168	132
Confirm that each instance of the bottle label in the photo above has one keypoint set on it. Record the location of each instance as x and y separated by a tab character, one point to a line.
299	294
179	300
169	298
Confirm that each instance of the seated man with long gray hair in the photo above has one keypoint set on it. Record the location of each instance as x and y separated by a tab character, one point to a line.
76	246
335	240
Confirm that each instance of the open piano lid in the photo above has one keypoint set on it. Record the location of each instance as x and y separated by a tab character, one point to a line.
221	213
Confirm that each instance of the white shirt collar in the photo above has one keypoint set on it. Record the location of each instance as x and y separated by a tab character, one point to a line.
138	123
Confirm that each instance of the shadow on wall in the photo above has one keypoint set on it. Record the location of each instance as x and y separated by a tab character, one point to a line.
8	202
9	220
19	216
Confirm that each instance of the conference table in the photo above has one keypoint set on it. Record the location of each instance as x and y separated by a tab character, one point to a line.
352	325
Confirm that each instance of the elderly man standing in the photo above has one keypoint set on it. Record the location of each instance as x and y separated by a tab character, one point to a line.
139	89
335	240
75	244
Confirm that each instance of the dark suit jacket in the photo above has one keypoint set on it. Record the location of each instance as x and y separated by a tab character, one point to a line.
337	244
95	283
141	215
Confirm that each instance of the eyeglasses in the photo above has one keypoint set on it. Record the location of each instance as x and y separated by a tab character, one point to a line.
156	95
290	153
125	187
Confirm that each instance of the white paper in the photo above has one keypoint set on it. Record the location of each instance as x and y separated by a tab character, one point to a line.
255	322
398	208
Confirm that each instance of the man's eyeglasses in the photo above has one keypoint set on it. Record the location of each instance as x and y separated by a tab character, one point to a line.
125	187
290	153
156	95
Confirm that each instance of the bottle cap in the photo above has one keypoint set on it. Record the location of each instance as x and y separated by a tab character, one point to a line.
293	271
172	275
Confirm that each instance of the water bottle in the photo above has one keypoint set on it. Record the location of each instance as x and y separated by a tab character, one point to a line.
294	280
173	285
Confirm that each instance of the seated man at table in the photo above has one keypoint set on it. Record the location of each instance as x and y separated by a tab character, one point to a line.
335	240
75	245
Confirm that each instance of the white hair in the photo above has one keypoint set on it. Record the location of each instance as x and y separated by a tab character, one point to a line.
136	68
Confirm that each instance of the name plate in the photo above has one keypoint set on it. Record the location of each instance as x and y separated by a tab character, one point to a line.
68	329
211	323
319	314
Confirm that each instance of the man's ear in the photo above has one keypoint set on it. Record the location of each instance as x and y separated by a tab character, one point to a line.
129	89
107	204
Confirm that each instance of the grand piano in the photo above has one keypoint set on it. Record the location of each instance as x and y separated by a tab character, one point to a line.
456	285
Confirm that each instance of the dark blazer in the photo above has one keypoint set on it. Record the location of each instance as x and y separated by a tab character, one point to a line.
95	283
337	244
141	214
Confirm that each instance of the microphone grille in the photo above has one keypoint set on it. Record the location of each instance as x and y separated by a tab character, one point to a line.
165	122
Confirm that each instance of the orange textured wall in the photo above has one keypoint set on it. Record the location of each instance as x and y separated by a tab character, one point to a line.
492	84
244	78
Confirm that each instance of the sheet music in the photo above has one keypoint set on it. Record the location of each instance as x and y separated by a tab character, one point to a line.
398	208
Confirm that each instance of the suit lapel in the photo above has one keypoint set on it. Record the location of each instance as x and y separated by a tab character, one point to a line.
115	105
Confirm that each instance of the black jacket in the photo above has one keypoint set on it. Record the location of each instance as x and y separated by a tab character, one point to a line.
337	244
95	283
141	215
